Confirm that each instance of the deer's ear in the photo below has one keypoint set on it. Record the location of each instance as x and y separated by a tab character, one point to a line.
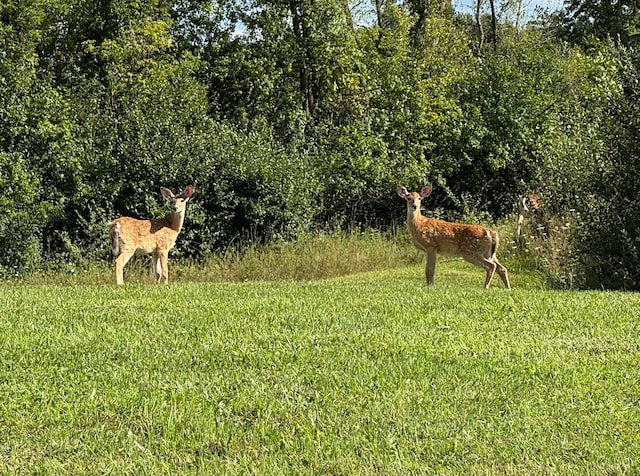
402	191
188	191
426	191
166	193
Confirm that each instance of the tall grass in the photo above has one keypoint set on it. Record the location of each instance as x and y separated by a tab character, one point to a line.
549	247
313	256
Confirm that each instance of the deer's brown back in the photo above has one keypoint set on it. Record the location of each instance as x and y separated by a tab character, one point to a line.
145	236
449	237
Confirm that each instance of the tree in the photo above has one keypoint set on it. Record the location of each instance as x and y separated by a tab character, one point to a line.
34	135
617	20
424	9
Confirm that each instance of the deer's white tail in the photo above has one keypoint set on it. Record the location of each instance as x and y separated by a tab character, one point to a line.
114	232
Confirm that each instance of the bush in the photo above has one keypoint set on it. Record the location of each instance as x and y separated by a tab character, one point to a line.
22	219
608	243
249	189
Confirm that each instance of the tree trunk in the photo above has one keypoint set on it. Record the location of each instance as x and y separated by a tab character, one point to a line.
479	24
306	72
494	24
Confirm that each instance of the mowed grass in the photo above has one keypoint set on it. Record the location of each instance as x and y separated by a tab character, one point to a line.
373	373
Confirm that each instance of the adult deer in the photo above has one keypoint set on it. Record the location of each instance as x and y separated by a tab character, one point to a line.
476	244
130	236
529	207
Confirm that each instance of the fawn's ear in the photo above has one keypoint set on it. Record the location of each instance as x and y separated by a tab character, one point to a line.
166	193
402	191
188	191
426	191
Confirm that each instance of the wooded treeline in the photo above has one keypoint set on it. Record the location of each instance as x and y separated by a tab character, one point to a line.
293	115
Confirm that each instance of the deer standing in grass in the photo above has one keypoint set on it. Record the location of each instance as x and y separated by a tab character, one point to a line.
476	244
130	236
530	207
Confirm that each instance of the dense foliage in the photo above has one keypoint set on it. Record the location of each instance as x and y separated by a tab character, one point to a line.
289	116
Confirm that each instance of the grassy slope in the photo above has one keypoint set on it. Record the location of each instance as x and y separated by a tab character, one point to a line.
371	373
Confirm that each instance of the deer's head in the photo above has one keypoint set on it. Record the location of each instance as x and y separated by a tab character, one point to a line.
178	202
413	198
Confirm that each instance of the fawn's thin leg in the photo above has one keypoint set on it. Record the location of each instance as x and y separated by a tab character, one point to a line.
485	263
502	272
122	259
156	268
490	266
164	267
430	269
520	222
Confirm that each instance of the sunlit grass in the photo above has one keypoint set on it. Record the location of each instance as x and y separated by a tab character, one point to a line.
361	374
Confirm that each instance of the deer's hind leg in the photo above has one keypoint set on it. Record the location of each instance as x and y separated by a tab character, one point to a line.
490	267
121	260
502	272
485	263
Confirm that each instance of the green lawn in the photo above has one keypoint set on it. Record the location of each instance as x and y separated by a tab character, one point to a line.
367	374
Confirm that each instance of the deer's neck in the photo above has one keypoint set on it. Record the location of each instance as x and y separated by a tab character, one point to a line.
414	216
174	221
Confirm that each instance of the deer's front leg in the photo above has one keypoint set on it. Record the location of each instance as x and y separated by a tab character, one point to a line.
520	223
156	270
430	269
164	267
